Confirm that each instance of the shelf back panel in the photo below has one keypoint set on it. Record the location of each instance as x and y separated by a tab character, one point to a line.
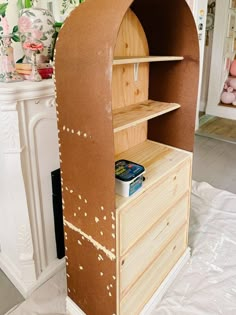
131	41
171	31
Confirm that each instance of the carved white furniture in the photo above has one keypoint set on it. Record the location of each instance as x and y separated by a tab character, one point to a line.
28	154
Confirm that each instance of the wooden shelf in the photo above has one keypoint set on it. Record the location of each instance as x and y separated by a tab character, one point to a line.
139	59
158	159
134	114
227	105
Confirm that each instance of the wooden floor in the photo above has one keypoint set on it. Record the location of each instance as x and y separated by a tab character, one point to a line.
217	128
214	162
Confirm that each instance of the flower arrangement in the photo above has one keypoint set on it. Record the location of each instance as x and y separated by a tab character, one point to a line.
4	26
34	48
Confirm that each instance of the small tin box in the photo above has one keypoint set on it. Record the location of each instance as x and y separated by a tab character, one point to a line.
129	177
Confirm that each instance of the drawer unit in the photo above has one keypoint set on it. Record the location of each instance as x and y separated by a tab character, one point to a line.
150	206
139	257
139	294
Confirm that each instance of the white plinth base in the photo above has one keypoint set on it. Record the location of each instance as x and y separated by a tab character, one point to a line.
26	289
73	309
158	295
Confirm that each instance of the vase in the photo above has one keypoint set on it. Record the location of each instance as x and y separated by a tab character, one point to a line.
7	65
37	25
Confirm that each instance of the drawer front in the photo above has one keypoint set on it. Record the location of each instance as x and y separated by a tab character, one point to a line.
140	293
150	206
137	260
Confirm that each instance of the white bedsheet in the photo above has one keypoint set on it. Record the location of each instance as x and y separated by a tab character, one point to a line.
207	285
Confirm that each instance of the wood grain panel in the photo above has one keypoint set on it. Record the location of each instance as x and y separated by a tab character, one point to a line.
118	60
144	288
130	137
137	113
151	204
131	41
158	159
152	243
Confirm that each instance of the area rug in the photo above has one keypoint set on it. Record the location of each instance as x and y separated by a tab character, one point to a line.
9	295
217	128
207	286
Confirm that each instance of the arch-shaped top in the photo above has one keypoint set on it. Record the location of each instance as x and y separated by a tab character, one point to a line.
83	77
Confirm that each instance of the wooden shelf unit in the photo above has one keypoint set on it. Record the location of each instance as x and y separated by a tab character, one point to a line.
139	59
107	113
158	160
137	113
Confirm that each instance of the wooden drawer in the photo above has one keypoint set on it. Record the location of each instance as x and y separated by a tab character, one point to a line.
150	206
137	260
147	284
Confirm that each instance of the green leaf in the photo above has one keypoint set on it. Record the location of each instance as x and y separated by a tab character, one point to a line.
15	29
28	4
3	7
49	22
28	13
16	38
43	37
20	5
21	59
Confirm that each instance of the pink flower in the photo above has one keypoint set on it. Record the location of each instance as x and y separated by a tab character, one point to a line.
33	46
24	24
37	34
5	25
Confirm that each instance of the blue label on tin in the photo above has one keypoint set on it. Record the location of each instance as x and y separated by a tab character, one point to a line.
127	170
135	185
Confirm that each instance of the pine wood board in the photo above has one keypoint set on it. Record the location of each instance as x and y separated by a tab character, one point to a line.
120	60
137	218
152	243
130	137
144	288
134	114
158	160
131	40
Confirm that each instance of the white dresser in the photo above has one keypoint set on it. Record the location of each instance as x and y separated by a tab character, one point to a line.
28	155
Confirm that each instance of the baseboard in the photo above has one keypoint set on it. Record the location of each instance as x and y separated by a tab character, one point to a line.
72	308
158	295
14	275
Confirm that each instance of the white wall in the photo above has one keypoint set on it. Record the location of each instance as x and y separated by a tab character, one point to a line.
206	70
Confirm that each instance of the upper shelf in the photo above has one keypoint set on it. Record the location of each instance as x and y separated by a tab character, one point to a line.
139	59
132	115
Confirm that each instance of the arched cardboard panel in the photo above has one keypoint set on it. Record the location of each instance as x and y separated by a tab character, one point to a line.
171	30
84	55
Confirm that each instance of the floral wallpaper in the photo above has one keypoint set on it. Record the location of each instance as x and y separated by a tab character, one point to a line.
9	11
